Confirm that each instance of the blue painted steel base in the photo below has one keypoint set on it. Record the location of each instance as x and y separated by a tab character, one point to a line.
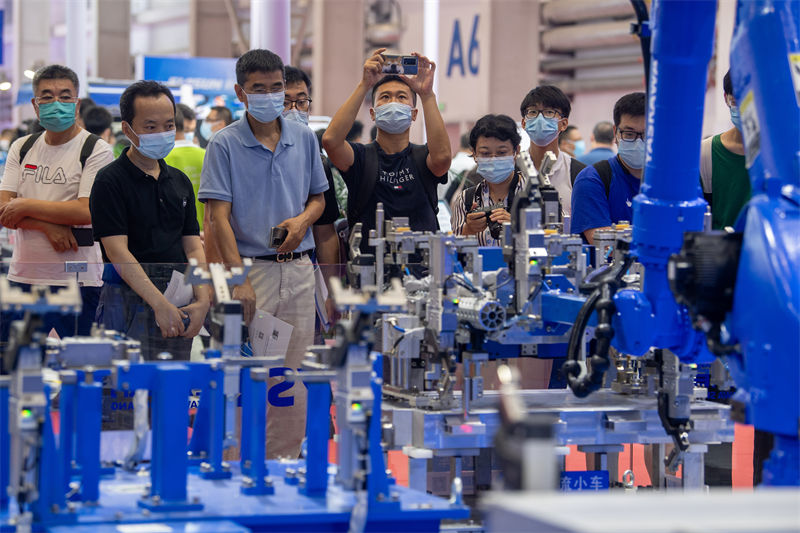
286	510
780	470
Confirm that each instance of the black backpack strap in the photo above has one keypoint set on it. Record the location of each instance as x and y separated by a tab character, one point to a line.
357	203
512	190
88	148
419	154
603	168
575	167
469	198
27	145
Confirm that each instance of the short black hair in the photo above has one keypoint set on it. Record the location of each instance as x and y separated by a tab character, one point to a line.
548	96
632	104
257	60
603	132
55	72
465	140
223	113
141	88
727	84
355	131
187	112
179	120
295	75
97	120
387	79
564	135
501	127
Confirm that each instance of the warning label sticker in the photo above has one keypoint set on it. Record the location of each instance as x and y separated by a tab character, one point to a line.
751	130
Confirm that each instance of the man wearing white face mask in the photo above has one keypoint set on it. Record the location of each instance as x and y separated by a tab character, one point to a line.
545	115
143	214
402	176
603	193
263	172
495	144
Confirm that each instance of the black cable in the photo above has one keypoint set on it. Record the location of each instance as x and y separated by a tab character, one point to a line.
601	299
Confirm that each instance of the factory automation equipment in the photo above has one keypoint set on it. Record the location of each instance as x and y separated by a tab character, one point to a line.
58	481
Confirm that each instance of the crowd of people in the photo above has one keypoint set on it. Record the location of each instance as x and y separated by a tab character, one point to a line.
165	190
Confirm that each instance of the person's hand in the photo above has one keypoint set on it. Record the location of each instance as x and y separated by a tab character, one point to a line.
297	230
60	237
169	319
373	68
475	222
422	83
197	315
330	309
13	212
247	296
500	215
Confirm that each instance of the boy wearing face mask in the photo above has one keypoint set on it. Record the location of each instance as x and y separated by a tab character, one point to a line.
723	173
405	176
545	115
603	193
143	212
495	143
45	194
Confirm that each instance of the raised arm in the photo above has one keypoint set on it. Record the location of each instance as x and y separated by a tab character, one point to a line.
334	140
439	153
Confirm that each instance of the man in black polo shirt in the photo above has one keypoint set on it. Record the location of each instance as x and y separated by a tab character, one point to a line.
143	214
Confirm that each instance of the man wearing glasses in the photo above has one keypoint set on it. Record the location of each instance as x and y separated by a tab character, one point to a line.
545	114
262	172
603	193
44	195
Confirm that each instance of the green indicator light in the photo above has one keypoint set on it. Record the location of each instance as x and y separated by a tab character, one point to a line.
27	413
355	407
455	301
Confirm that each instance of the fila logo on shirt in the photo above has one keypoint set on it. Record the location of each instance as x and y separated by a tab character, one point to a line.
42	174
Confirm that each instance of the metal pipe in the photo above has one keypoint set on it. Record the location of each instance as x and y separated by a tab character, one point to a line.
271	26
76	44
588	36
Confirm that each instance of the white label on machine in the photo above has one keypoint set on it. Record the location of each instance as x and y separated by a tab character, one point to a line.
751	130
144	528
269	335
794	66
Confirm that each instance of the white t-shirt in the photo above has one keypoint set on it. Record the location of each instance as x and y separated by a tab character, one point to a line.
53	173
561	181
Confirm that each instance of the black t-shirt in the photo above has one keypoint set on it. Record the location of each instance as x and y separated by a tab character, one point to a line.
154	213
331	212
399	188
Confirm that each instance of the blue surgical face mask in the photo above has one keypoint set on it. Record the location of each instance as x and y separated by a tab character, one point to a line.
156	145
541	130
57	116
296	115
632	153
265	107
495	169
205	130
580	148
737	121
393	117
189	136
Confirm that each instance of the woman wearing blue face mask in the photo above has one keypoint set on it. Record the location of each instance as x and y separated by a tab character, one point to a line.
482	209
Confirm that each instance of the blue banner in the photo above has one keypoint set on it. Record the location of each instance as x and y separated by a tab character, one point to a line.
210	76
592	480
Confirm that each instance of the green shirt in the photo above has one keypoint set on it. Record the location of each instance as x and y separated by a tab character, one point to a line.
730	185
189	159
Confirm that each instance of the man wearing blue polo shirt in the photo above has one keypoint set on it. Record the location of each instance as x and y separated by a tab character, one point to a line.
262	172
603	193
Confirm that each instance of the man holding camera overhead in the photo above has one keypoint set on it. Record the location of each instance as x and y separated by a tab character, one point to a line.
391	170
